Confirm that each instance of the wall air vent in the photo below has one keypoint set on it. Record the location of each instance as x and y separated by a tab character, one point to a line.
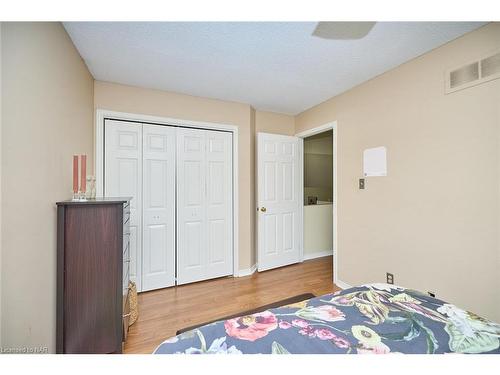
466	74
490	66
473	73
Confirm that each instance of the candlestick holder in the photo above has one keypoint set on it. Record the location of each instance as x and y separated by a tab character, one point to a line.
79	196
79	189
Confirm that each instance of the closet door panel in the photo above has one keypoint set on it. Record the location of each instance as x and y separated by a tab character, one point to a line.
123	178
204	205
191	207
190	250
219	203
193	247
158	263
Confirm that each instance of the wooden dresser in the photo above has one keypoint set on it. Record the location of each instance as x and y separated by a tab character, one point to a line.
92	275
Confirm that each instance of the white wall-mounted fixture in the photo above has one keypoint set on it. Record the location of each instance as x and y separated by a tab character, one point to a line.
375	162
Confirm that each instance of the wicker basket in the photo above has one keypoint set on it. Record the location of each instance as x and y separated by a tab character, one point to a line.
134	313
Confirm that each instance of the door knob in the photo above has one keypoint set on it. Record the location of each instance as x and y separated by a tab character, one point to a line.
263	209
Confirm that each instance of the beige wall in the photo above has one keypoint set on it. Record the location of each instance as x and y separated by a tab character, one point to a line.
321	144
434	220
161	103
275	123
47	116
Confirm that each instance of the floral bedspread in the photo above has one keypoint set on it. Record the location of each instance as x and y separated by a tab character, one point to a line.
371	319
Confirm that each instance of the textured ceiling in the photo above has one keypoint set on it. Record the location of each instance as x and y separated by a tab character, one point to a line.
274	66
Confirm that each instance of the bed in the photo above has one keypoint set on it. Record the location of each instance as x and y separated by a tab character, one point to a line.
370	319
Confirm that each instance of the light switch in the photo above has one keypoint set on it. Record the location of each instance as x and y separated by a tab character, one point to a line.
361	183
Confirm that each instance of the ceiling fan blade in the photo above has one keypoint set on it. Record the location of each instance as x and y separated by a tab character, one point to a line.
342	30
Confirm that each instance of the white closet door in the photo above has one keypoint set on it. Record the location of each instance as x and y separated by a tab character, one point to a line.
219	182
123	178
279	199
158	254
204	205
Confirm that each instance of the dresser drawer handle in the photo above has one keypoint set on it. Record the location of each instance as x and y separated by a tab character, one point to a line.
126	315
127	260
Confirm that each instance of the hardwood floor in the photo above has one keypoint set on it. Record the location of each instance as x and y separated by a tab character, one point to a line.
162	312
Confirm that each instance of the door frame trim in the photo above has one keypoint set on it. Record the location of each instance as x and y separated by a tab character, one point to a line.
102	114
307	133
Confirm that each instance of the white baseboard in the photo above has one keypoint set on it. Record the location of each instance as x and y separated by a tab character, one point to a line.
341	284
317	254
247	271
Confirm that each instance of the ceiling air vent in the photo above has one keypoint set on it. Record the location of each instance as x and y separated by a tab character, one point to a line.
473	73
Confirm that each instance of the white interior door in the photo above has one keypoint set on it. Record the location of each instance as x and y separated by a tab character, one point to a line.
123	178
279	200
204	205
158	166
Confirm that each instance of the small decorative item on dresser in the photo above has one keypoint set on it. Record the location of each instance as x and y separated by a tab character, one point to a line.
93	188
90	194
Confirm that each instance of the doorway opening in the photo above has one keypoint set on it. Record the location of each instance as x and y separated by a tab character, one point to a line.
319	179
318	195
